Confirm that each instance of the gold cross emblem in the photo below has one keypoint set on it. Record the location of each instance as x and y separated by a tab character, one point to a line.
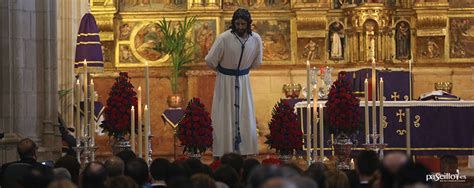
395	96
400	115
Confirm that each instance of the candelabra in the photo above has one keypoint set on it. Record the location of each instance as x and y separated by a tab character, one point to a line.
85	150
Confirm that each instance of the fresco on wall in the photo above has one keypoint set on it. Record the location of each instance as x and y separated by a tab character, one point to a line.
310	49
430	48
147	42
125	54
461	37
204	34
152	5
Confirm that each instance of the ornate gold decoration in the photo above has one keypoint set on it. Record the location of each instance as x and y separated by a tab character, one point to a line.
161	60
400	115
311	23
292	90
406	98
444	86
416	123
384	122
401	132
360	14
431	21
395	96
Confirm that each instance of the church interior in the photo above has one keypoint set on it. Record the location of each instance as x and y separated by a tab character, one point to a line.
421	48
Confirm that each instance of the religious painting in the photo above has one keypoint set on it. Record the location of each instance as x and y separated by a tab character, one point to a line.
107	52
204	33
402	41
146	43
125	54
152	5
125	30
336	38
461	37
430	47
256	4
276	41
310	49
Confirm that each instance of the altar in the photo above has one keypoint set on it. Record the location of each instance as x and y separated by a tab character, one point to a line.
435	127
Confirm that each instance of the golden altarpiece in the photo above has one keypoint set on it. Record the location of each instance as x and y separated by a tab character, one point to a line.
434	34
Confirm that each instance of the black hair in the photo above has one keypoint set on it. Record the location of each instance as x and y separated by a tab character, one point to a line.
244	14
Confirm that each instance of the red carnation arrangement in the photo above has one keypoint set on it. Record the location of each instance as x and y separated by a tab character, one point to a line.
285	131
117	115
343	108
195	130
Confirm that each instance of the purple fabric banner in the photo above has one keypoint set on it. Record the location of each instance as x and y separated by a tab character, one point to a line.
88	46
172	116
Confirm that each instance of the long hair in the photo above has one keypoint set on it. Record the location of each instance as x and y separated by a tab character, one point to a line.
244	14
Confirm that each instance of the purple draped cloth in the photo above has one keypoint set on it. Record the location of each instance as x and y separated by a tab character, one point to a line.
172	116
88	46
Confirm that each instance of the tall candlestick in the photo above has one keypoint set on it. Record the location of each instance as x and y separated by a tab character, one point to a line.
132	129
308	82
315	121
308	133
408	129
78	109
381	123
86	105
366	108
92	126
410	78
140	128
321	131
374	105
147	85
147	133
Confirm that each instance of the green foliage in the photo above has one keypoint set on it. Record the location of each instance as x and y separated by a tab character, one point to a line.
178	46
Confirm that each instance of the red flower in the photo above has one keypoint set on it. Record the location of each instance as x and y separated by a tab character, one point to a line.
196	128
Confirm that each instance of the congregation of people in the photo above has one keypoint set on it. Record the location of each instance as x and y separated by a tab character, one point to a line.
126	170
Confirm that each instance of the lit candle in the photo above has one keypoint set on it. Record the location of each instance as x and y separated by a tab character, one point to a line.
315	120
308	82
86	106
147	85
366	108
374	105
381	93
92	126
78	109
132	128
321	131
140	128
308	133
147	132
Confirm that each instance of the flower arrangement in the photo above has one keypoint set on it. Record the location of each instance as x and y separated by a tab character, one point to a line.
343	108
117	113
285	131
272	161
195	130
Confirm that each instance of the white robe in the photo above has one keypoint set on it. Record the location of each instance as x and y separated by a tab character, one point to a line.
336	48
226	52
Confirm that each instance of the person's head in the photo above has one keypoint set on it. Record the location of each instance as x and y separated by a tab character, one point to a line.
234	160
126	155
94	175
316	172
38	177
121	181
137	169
393	161
336	179
367	163
449	164
303	182
61	173
413	175
114	166
247	167
27	148
159	168
203	181
278	183
227	175
70	163
241	22
63	183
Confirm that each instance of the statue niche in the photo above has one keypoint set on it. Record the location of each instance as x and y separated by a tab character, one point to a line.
402	41
336	41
